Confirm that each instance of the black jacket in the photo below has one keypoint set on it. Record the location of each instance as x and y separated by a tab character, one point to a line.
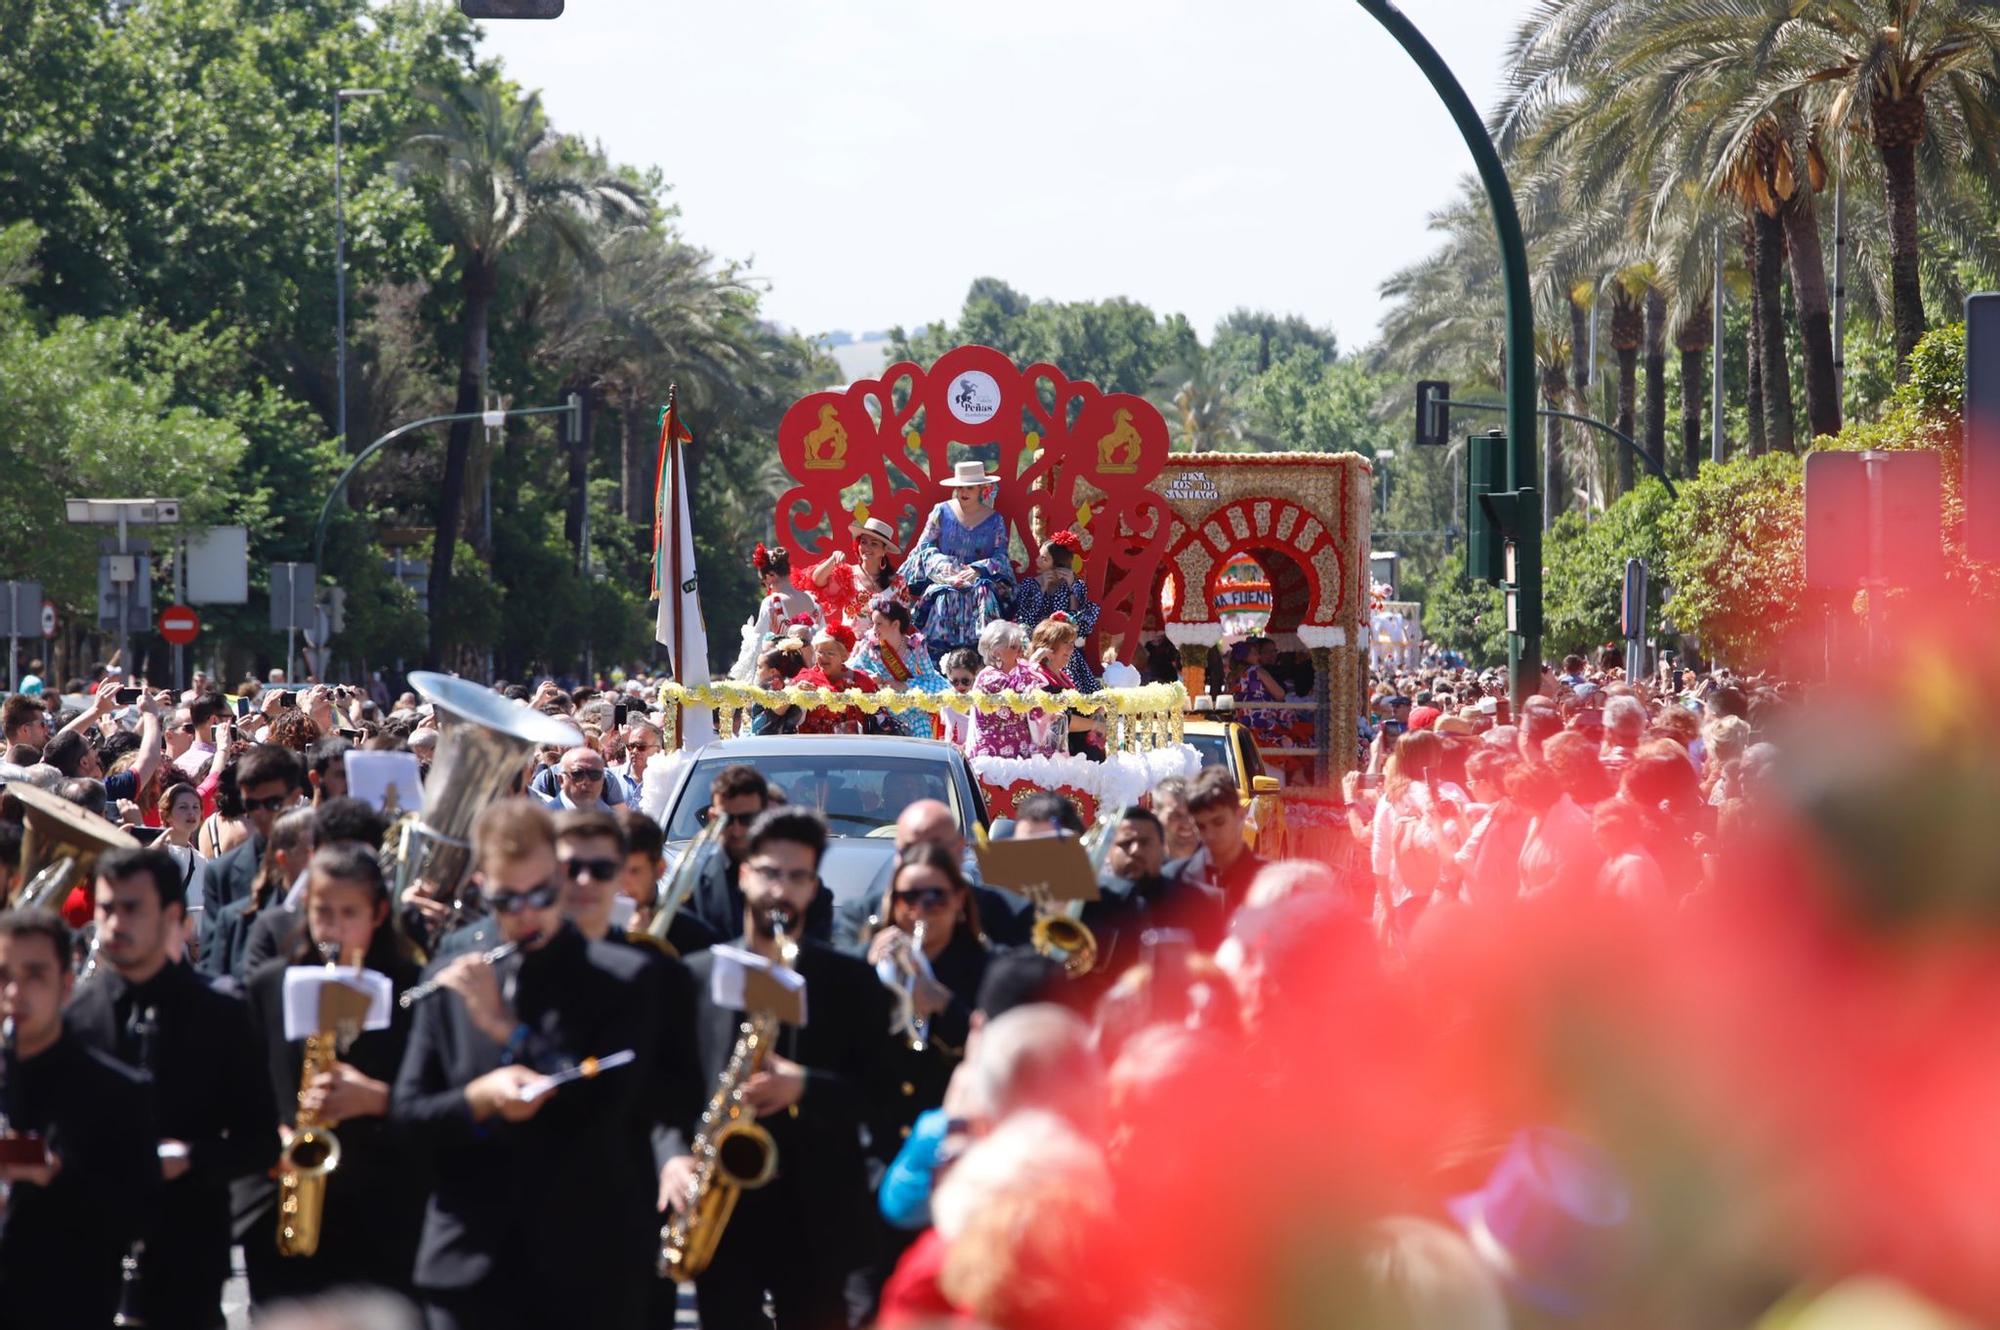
717	902
553	1208
224	879
1126	908
1229	886
375	1198
60	1245
821	1193
209	1090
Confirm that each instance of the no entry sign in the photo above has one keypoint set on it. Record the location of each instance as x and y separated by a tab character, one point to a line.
179	624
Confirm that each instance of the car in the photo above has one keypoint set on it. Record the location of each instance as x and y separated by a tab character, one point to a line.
1227	744
859	783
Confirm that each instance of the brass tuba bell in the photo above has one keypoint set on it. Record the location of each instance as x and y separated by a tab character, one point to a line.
60	845
484	741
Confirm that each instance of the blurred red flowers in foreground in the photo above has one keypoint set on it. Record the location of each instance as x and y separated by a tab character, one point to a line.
1796	1072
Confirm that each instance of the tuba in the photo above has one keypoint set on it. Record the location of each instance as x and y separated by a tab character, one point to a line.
1059	932
60	845
681	884
484	740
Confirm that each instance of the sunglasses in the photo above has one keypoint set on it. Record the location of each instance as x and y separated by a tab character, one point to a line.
273	802
961	681
923	898
587	773
513	902
708	815
604	870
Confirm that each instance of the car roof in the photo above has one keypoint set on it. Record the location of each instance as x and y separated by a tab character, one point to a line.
836	745
1208	726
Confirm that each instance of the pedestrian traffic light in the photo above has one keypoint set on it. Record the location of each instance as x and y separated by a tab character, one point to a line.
1485	473
1982	427
1433	413
511	8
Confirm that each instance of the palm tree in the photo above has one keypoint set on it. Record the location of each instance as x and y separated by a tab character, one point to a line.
1694	338
1205	411
1628	329
1918	80
493	173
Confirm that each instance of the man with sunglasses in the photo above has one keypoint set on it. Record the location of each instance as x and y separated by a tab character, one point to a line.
737	798
580	782
798	1237
268	781
538	1215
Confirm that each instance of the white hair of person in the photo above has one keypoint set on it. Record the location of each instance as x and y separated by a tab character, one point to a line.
1726	737
1424	1276
344	1309
1038	1056
1625	715
998	633
1287	878
1029	1152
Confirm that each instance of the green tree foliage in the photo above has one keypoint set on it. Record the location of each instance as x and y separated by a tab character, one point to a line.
1583	569
1735	554
1465	616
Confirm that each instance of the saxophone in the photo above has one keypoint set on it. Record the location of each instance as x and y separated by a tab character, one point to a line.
732	1154
313	1153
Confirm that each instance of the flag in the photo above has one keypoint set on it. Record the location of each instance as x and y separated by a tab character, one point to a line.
679	628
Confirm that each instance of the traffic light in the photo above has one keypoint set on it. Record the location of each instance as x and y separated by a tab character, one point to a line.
1433	413
511	8
336	609
1485	473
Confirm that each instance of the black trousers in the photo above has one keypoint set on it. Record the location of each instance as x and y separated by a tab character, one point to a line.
771	1246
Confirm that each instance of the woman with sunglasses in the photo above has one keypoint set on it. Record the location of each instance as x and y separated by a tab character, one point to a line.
374	1201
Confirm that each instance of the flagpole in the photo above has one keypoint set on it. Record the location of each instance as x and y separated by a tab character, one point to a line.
673	588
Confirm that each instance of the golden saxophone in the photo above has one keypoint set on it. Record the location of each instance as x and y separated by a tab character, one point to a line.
313	1153
732	1154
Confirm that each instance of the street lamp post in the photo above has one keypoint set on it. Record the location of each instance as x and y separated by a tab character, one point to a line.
341	96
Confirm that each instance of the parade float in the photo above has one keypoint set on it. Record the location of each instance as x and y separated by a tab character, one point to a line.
1200	550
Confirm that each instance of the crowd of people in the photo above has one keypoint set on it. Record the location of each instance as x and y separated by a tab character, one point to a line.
965	1131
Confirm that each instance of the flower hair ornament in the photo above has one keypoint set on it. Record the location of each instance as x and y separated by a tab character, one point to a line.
760	558
1060	616
1069	540
836	632
799	621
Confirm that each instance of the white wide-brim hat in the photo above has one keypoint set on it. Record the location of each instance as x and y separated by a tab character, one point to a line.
879	529
967	474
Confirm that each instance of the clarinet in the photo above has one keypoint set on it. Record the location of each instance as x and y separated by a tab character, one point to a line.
131	1281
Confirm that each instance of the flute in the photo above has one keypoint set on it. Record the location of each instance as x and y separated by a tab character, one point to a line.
429	986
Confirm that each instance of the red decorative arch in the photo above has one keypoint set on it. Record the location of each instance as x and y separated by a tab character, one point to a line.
1261	524
1058	444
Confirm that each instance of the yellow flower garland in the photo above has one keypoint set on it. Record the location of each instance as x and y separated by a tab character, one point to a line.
1152	703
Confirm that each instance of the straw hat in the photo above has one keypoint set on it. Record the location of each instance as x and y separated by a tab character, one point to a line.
964	474
879	529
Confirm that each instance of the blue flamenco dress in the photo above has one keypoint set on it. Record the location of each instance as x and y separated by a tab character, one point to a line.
1032	605
949	616
910	667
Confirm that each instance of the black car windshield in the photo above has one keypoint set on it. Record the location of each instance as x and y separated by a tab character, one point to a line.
864	794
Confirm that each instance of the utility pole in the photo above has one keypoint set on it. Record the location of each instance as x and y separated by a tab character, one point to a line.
1524	564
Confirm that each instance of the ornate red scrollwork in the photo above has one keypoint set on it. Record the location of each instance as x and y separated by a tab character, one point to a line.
1070	455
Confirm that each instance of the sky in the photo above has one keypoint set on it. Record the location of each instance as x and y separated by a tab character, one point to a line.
873	157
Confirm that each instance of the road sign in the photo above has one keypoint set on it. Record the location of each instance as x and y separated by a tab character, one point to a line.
1873	518
124	581
179	624
20	609
292	588
218	566
48	618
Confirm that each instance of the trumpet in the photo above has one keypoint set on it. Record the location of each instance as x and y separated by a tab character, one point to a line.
418	992
900	973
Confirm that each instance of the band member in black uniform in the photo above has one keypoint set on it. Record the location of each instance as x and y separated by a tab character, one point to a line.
67	1220
211	1099
928	891
374	1200
799	1236
1134	895
644	881
537	1216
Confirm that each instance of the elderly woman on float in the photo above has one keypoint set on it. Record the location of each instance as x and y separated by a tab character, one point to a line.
845	590
895	657
961	557
1052	654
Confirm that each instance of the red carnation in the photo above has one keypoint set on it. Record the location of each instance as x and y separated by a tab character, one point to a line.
760	558
1069	540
